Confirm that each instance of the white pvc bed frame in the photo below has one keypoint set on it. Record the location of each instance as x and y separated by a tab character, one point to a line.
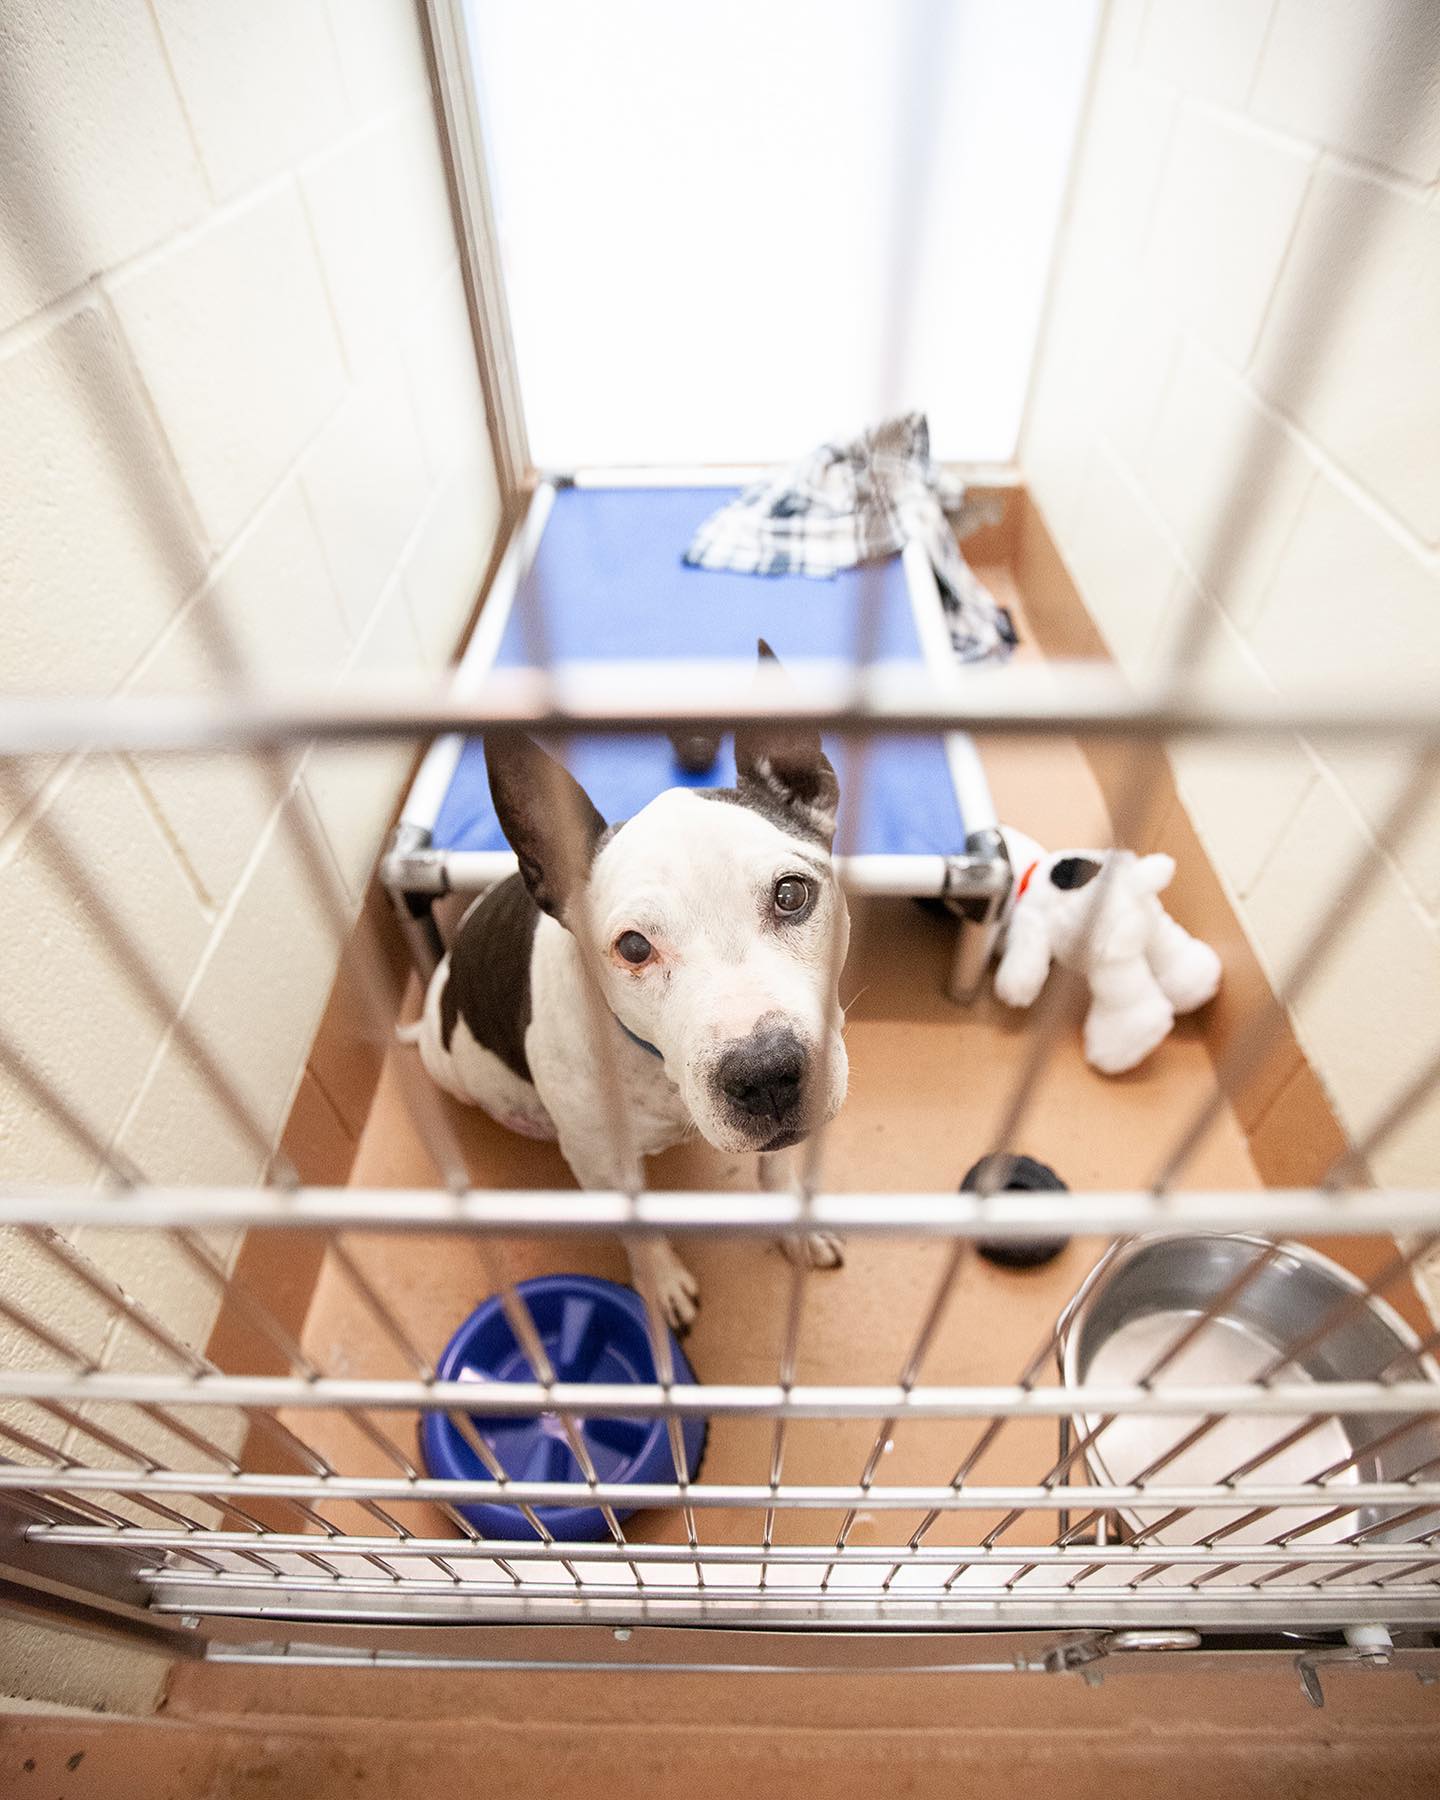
972	884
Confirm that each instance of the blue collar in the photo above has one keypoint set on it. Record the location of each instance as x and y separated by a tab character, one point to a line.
635	1038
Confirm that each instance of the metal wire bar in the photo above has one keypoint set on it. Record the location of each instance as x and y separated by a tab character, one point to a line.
170	529
161	514
562	1212
563	805
929	1325
854	771
812	1556
500	1475
1109	1495
1058	700
201	1256
213	1588
789	1353
733	1400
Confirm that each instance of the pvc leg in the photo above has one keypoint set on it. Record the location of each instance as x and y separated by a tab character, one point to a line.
974	947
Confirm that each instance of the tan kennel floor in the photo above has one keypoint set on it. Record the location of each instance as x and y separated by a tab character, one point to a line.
928	1085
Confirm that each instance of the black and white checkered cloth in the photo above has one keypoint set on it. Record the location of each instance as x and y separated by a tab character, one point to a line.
847	504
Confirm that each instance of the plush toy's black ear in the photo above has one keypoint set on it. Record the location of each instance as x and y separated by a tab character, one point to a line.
781	766
545	813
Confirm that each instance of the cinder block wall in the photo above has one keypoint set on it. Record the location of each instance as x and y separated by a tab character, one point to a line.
243	439
1246	297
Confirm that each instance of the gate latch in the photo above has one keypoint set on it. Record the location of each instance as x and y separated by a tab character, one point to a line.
1365	1647
1082	1655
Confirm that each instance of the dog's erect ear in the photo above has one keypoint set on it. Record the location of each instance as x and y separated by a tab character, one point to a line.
545	813
783	767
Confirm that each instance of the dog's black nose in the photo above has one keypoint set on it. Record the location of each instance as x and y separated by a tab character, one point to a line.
761	1075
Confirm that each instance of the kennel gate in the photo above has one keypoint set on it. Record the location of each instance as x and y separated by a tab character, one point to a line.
246	1542
303	1560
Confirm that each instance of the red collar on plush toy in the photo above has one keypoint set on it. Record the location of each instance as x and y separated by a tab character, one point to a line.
1024	881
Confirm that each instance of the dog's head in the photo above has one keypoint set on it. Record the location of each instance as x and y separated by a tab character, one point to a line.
708	921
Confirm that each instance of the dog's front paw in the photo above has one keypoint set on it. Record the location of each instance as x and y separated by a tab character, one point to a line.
677	1292
816	1250
661	1277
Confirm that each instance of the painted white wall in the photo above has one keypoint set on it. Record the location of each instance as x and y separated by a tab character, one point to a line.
243	435
1235	160
702	209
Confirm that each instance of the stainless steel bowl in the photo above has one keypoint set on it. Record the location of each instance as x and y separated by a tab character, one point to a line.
1138	1301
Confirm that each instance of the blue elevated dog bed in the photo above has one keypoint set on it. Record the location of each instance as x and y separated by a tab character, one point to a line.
595	575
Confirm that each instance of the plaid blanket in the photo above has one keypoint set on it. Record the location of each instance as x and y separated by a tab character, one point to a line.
847	504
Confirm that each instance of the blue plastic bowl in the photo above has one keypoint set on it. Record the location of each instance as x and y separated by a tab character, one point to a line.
592	1331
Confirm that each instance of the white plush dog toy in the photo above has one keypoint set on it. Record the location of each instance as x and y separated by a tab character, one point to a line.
1142	967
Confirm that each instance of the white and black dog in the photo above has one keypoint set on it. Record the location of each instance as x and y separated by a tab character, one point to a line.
706	921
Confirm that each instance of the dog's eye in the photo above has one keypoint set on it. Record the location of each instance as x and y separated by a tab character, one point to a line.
792	895
634	948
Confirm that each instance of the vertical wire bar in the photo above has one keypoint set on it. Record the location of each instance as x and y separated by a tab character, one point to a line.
789	1355
855	765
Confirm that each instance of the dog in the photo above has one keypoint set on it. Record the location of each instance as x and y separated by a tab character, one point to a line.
706	922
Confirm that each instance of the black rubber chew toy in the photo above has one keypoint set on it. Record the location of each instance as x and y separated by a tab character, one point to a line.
1018	1175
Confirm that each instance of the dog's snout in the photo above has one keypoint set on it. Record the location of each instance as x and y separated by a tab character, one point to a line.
762	1075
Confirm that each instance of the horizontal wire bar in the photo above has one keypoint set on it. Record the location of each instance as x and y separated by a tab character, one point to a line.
760	1598
1106	1496
501	1212
1058	699
800	1555
650	1400
1284	1609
